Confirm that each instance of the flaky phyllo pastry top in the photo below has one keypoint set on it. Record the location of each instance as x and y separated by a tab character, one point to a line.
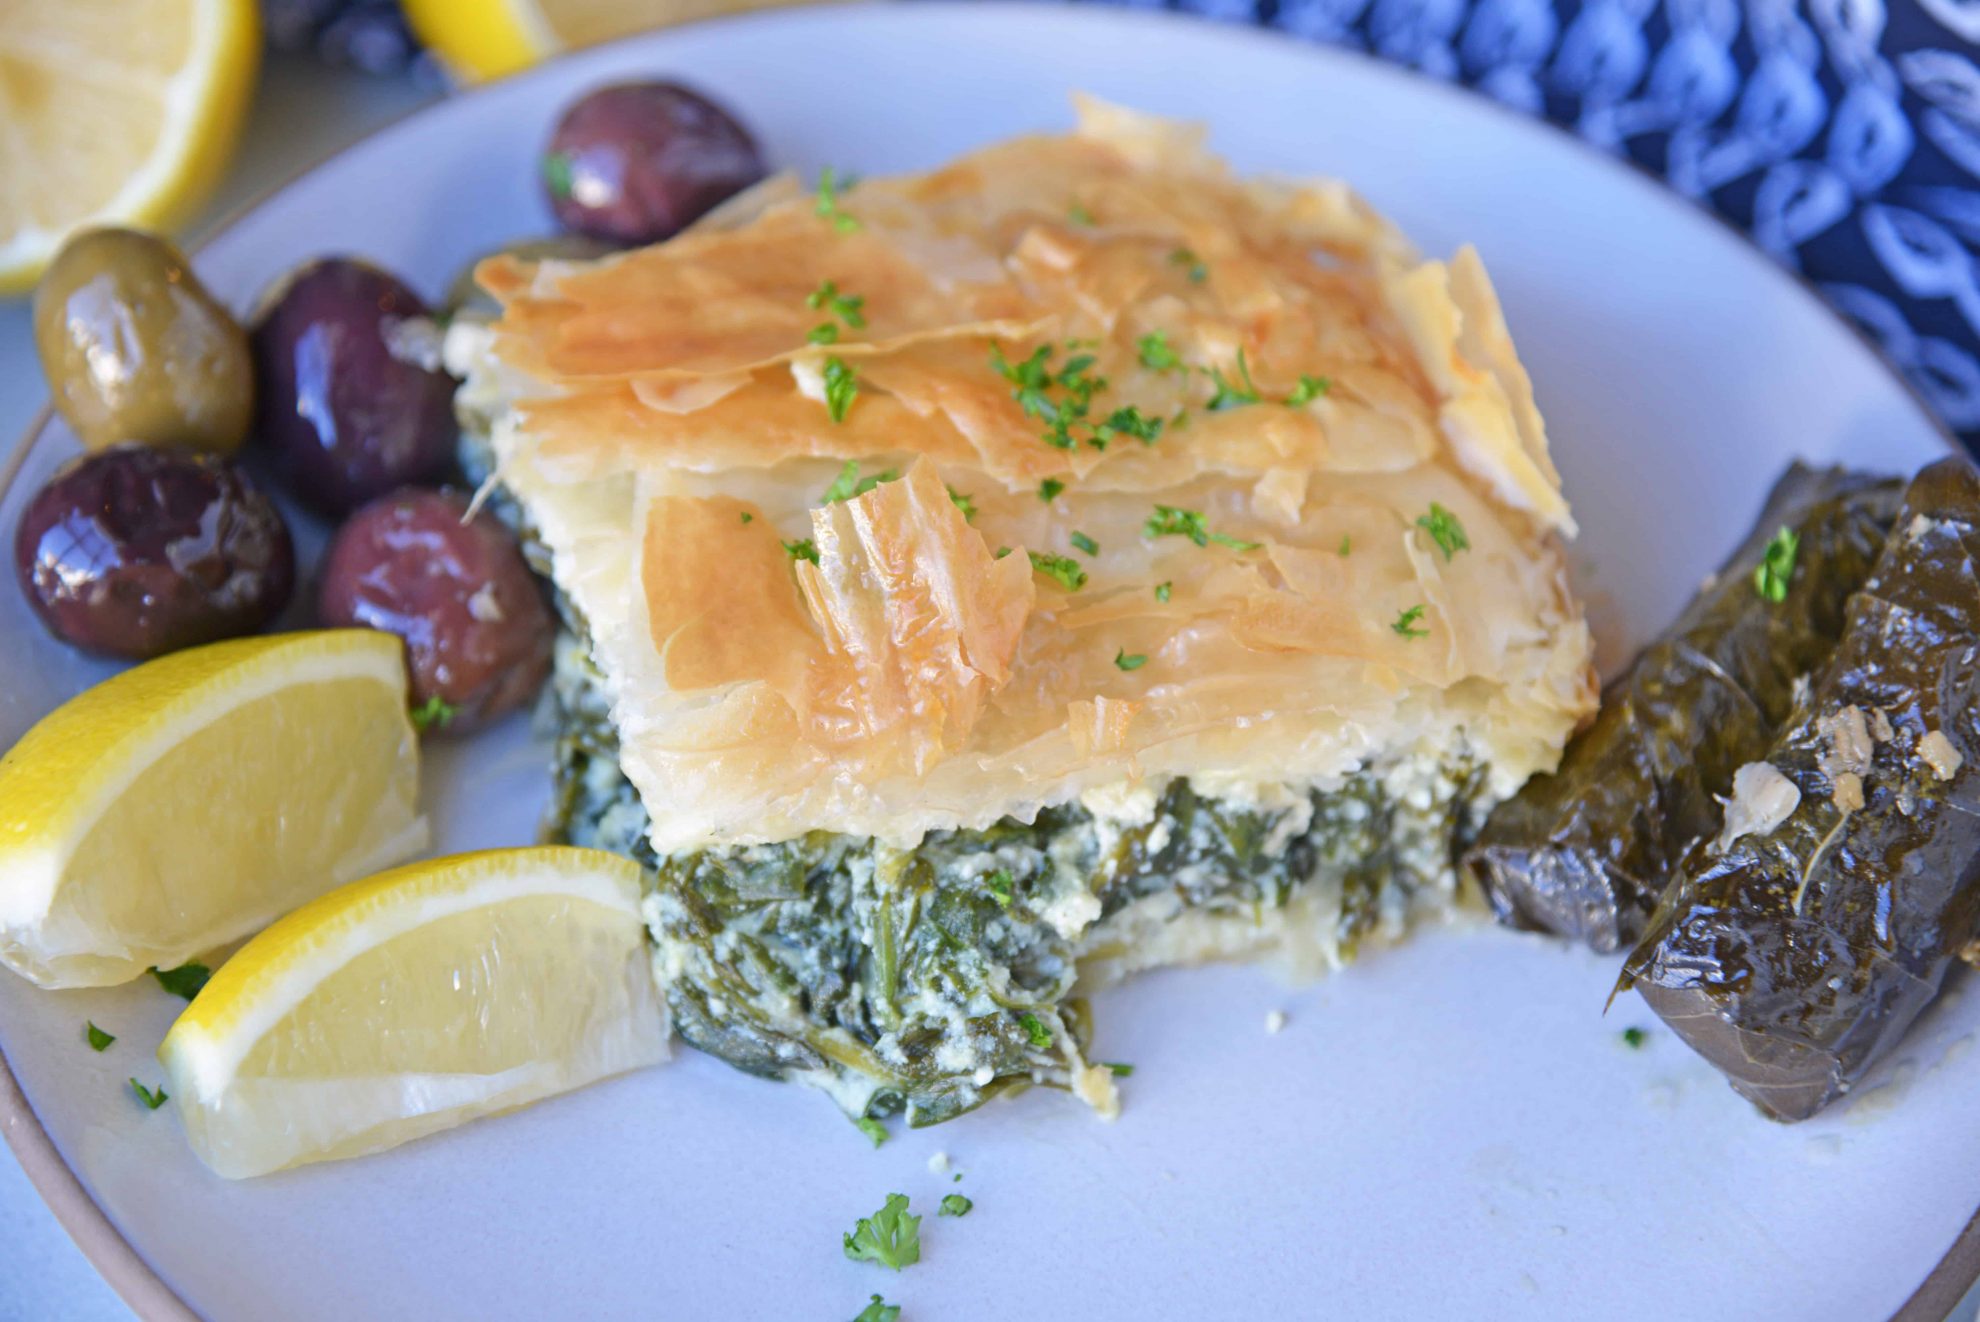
1178	475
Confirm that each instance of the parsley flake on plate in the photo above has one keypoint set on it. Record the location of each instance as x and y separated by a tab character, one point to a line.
152	1098
1034	1028
1079	215
955	1204
962	502
879	1310
1130	421
1129	661
1161	592
840	388
830	185
823	333
748	518
1061	569
1776	567
1445	530
891	1237
875	1132
1634	1037
1195	269
802	549
557	174
1118	1069
1084	543
1346	547
1405	623
98	1039
436	713
1049	489
185	980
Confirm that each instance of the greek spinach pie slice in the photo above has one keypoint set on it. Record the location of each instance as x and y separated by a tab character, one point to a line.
986	583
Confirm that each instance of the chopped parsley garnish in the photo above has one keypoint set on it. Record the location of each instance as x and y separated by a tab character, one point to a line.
1118	1069
849	485
436	713
846	307
1156	355
1309	389
875	1132
1347	545
879	1311
823	333
1049	489
999	886
1129	421
1227	395
1084	543
1405	623
1445	530
1062	569
1180	421
830	185
1041	1036
1634	1037
185	980
98	1039
840	387
1034	382
1169	521
954	1204
152	1098
748	518
1161	592
1776	567
890	1237
802	549
1079	215
1197	271
962	502
557	174
1129	661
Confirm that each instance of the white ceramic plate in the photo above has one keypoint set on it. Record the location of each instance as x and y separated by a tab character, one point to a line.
1453	1128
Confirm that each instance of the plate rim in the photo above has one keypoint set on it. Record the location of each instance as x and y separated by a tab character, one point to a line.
125	1268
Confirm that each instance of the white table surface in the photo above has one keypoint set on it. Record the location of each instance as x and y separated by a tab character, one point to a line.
303	113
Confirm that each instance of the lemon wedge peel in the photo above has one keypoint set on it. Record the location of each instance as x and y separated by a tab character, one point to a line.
68	777
257	1006
203	107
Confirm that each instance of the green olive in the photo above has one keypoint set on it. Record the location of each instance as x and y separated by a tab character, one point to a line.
464	295
135	349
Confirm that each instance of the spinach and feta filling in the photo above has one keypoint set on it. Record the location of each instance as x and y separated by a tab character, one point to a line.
927	980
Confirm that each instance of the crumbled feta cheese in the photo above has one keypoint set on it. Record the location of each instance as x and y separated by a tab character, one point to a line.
939	1163
483	606
1094	1085
1940	755
1847	736
1275	1021
414	340
1762	799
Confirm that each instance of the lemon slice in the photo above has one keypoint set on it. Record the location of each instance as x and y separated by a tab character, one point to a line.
414	1001
480	39
121	113
187	802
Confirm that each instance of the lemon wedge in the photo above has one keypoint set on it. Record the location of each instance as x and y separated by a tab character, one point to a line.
189	801
123	113
481	39
414	1001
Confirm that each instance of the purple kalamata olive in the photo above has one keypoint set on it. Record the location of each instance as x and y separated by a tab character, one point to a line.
456	589
639	162
135	552
352	401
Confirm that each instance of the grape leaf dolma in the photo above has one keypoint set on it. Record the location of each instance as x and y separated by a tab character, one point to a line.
1585	852
1795	955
